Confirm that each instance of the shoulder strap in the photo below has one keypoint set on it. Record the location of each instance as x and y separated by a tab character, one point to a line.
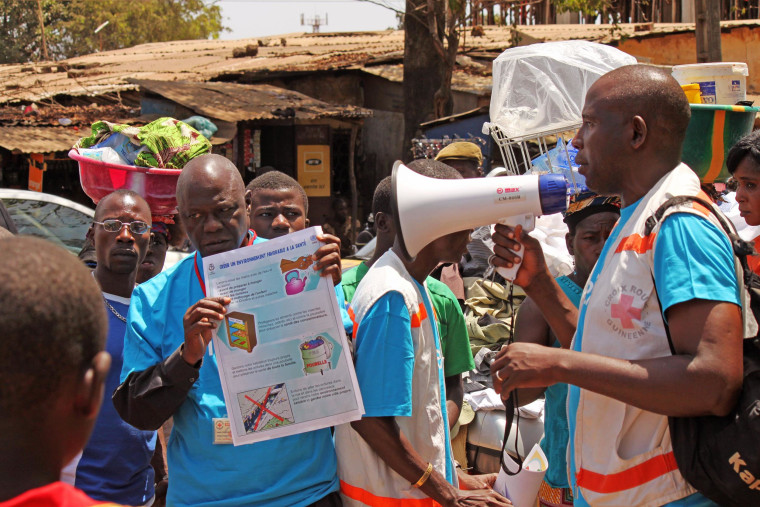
741	248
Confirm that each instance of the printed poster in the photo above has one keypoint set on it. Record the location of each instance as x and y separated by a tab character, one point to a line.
314	169
282	352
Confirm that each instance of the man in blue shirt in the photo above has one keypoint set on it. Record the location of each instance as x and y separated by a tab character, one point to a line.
115	464
169	370
626	374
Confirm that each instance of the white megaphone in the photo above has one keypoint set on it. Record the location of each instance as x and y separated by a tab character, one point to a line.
425	209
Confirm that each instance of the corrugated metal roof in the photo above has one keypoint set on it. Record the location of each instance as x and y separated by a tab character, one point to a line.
460	81
236	102
38	139
204	60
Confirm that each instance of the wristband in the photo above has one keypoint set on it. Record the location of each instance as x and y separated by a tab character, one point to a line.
425	476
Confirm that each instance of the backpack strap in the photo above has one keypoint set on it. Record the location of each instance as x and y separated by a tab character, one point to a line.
742	249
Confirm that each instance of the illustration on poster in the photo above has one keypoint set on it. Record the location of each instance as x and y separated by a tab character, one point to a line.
316	354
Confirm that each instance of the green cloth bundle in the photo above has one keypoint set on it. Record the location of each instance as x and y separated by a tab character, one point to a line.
169	143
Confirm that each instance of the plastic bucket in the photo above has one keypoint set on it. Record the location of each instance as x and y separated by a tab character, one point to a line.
720	83
157	186
712	131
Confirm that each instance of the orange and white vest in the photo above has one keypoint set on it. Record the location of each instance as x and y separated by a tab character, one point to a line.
623	454
365	479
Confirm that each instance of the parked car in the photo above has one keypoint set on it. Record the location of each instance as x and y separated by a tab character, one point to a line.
54	218
47	216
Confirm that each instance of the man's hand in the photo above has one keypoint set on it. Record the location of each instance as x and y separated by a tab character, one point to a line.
327	258
524	365
515	246
478	497
200	321
475	482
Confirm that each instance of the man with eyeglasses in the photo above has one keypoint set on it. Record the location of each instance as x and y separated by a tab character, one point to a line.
170	370
115	464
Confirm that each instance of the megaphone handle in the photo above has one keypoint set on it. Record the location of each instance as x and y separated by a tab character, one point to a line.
509	274
528	223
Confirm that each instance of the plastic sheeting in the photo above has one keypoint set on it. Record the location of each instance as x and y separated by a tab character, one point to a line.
541	87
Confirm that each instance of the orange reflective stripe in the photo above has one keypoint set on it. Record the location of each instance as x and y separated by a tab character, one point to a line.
718	149
702	195
627	479
636	243
352	316
418	317
367	498
754	260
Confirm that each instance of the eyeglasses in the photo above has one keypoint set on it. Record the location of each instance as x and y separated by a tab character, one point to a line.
113	225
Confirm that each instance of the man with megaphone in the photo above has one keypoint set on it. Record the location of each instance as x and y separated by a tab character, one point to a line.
625	379
400	451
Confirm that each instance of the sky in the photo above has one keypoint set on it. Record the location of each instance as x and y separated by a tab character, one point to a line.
256	18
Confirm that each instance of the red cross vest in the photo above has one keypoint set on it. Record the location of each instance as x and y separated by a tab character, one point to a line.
365	479
623	454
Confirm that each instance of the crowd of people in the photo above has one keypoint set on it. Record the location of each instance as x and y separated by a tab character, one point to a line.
98	365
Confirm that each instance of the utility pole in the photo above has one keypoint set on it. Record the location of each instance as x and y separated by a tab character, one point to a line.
42	30
708	31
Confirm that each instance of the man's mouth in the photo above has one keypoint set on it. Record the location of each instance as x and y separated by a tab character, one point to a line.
124	253
278	233
216	246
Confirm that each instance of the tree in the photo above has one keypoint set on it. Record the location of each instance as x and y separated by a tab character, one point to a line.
431	44
70	25
20	22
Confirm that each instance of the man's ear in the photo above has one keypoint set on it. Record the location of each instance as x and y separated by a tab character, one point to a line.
307	221
569	243
640	132
248	200
92	384
90	233
383	222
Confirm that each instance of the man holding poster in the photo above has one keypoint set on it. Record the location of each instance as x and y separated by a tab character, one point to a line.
170	371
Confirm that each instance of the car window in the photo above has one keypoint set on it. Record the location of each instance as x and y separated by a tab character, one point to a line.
60	224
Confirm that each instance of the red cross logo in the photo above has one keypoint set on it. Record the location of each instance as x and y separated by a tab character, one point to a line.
625	311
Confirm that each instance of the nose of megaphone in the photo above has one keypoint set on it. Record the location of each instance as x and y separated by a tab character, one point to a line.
425	209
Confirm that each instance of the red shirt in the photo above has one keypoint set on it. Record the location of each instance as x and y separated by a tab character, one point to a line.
753	261
57	494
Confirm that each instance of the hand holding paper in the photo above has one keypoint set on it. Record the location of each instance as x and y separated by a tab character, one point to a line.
200	321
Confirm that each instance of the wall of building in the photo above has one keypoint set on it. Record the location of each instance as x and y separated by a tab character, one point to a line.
740	44
332	87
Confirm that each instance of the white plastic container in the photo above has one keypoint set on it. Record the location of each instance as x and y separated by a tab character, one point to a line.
720	83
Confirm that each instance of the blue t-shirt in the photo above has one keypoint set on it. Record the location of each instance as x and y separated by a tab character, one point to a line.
290	471
693	260
554	442
384	359
348	324
115	464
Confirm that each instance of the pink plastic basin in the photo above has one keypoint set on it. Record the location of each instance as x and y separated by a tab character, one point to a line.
157	186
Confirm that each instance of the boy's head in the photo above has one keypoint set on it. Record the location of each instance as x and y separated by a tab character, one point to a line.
52	363
743	162
451	247
385	227
154	260
279	205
